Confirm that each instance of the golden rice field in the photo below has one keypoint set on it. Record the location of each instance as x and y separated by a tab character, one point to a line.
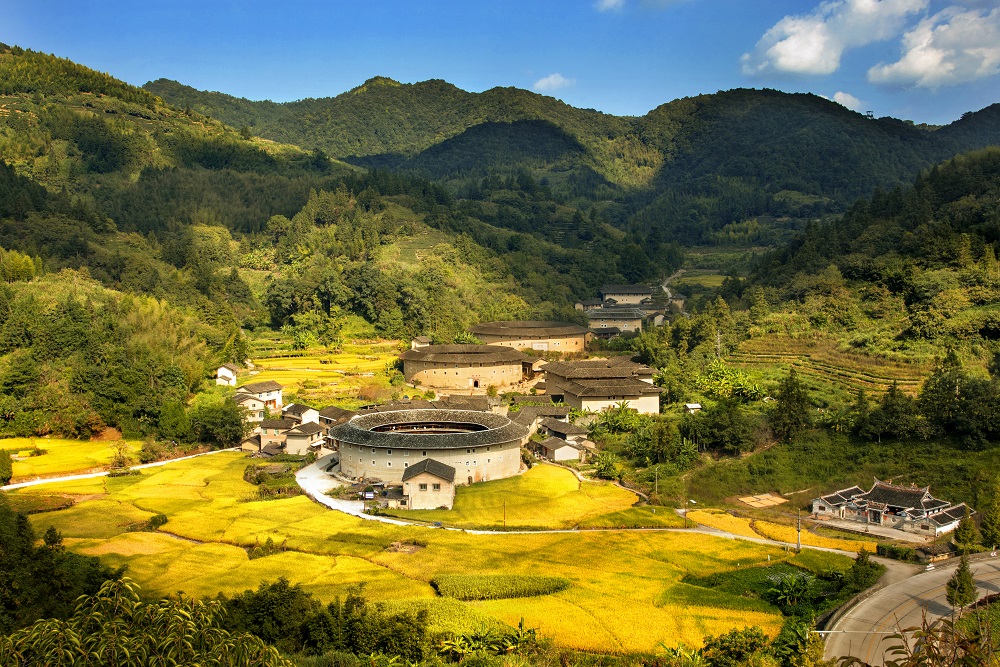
546	496
625	593
784	533
320	376
61	457
723	521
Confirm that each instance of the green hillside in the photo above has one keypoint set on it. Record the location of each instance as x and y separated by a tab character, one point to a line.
740	167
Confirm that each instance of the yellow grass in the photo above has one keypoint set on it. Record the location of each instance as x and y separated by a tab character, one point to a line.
546	496
62	456
784	533
723	521
625	593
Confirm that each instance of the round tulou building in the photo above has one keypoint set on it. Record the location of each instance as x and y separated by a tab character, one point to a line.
477	446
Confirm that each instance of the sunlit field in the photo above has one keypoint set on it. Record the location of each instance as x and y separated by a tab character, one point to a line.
625	593
60	457
546	496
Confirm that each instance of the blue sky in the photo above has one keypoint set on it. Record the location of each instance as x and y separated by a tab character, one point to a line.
922	60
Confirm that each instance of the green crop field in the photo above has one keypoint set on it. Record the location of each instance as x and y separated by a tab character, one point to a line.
624	594
60	457
546	496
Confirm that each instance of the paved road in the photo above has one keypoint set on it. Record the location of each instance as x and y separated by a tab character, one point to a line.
864	631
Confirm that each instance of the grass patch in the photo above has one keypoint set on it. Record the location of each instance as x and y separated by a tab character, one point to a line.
636	517
546	496
496	586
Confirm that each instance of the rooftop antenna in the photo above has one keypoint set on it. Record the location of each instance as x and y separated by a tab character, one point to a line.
870	115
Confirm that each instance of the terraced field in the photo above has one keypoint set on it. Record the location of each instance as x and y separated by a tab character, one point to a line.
625	593
819	358
320	377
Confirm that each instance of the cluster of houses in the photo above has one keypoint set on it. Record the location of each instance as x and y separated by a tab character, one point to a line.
420	450
625	309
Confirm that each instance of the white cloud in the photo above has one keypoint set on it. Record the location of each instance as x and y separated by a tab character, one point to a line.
552	82
848	100
814	43
609	5
955	45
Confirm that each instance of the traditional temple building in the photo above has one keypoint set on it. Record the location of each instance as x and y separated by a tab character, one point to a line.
908	508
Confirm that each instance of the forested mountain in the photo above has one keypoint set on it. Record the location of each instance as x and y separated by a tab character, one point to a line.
117	209
694	169
909	269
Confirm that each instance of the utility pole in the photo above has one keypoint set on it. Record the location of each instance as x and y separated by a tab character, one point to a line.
798	530
505	513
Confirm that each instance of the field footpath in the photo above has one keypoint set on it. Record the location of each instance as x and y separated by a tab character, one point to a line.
104	473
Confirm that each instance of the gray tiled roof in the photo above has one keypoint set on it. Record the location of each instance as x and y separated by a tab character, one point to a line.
625	289
528	414
296	409
556	443
617	367
528	328
278	423
465	354
610	387
360	430
565	428
310	428
260	387
335	413
432	467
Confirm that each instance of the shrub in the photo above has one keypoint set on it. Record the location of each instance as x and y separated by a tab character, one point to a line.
905	554
496	587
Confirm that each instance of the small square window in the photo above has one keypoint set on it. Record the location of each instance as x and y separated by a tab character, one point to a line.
373	450
405	464
423	487
437	487
474	463
423	453
388	464
373	463
388	452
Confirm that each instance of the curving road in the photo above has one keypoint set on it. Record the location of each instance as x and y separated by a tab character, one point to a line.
864	631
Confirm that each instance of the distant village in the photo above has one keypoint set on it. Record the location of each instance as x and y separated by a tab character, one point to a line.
417	451
413	453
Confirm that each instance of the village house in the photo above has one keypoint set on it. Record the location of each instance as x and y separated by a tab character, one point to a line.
558	450
429	484
531	416
332	415
419	342
909	508
621	319
563	429
268	392
626	294
254	407
558	337
599	384
465	366
267	432
306	438
301	414
226	375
